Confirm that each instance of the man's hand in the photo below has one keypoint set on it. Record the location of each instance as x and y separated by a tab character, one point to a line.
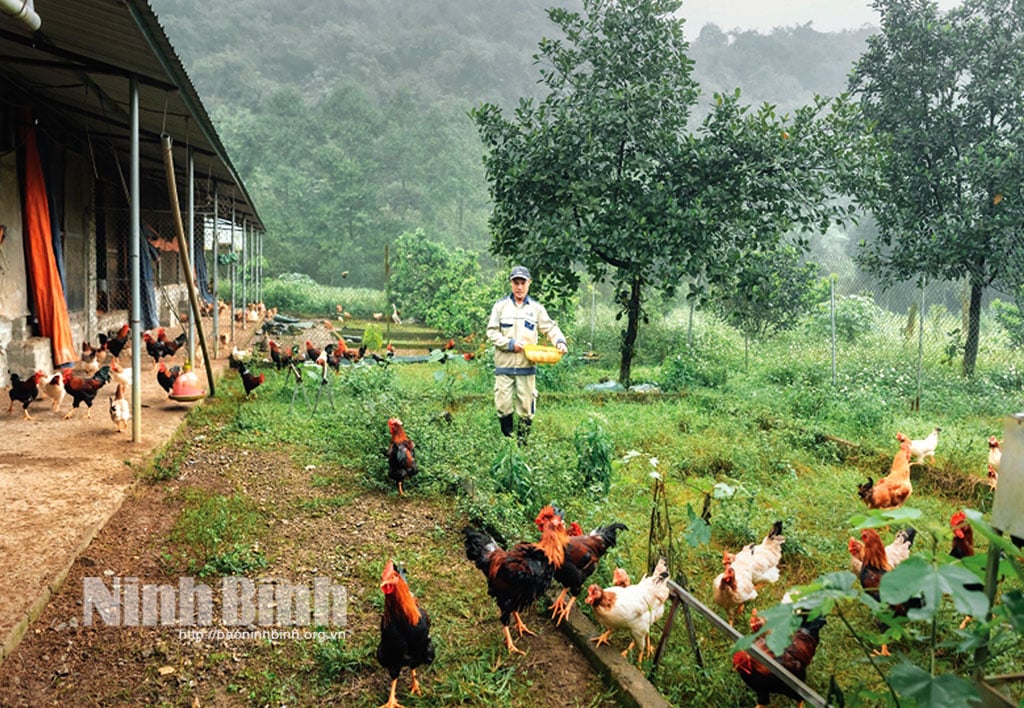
562	348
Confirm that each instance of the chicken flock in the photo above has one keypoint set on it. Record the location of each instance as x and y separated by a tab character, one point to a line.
562	557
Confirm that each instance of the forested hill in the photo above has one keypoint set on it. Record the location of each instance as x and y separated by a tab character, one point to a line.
348	120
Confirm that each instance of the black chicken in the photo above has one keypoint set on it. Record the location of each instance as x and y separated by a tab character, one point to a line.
517	577
401	461
24	391
404	631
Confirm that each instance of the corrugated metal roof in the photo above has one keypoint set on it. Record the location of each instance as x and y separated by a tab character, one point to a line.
79	65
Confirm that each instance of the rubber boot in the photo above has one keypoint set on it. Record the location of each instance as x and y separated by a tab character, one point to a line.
506	425
523	431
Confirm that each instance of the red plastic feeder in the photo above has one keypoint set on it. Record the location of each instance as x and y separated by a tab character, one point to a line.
186	388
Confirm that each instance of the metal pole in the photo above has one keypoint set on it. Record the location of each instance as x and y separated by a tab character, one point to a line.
244	267
832	311
216	277
192	247
135	227
920	343
231	314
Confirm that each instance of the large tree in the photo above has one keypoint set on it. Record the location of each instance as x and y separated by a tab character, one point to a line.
605	175
946	95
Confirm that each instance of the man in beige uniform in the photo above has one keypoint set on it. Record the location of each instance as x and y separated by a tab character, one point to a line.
517	321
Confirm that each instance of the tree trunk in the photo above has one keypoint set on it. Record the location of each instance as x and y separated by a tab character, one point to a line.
973	328
629	336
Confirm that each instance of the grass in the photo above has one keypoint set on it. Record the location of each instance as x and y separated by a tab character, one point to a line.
773	441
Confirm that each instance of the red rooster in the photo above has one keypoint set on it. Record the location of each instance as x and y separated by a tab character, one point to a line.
404	632
115	342
796	658
84	390
280	357
153	347
582	554
171	346
401	461
250	380
517	577
875	564
25	391
963	547
166	377
312	353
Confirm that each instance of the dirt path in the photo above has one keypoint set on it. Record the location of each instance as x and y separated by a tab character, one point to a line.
60	505
60	480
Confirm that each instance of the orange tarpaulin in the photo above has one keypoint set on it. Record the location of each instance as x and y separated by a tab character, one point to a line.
47	291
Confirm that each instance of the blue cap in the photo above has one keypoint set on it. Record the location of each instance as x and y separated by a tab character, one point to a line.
520	272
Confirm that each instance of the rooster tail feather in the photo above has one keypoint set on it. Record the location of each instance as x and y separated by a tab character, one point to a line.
776	529
610	532
865	489
908	534
479	547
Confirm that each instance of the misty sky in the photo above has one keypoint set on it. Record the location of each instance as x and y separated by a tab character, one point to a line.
825	15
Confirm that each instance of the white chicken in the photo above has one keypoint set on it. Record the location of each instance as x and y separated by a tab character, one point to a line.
120	411
896	552
635	608
53	387
995	456
736	585
120	374
920	449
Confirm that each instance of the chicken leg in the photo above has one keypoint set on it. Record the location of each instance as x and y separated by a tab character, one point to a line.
602	638
521	626
415	689
392	701
512	648
559	604
400	492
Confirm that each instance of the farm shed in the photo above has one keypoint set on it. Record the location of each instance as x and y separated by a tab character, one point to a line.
88	91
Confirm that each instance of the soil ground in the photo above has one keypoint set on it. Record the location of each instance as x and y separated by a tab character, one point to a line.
75	509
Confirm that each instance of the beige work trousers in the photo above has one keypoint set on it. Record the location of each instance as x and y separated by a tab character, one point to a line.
515	393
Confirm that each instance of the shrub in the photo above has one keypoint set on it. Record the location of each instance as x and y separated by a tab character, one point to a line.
1009	316
856	317
593	456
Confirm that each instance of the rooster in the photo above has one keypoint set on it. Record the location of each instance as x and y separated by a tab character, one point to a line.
120	411
796	657
401	461
171	346
250	381
920	449
404	632
166	377
114	342
875	565
153	347
896	552
582	554
280	357
53	387
995	457
312	353
635	608
518	577
890	492
83	390
963	547
24	391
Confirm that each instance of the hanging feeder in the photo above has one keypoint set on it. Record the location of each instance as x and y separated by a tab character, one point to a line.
186	388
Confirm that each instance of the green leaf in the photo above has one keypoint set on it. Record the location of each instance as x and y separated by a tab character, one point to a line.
916	577
698	532
877	518
932	691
